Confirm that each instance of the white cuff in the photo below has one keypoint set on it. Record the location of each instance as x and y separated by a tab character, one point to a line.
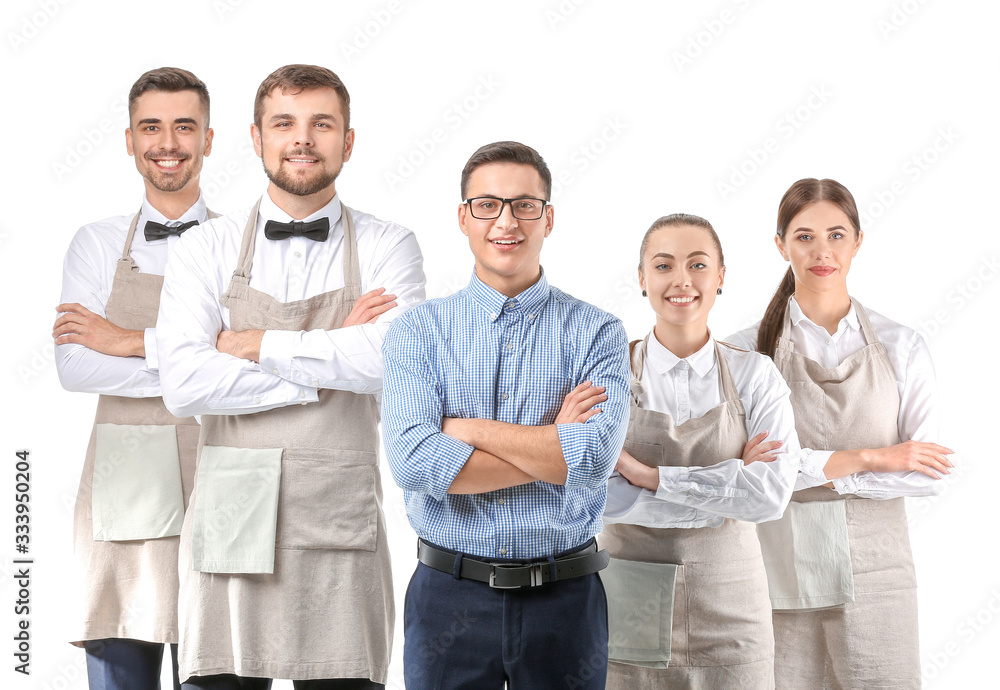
149	343
673	481
276	352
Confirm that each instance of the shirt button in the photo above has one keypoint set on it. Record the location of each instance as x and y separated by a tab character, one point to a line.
256	398
530	317
510	346
503	551
503	396
275	370
302	394
316	382
298	255
493	315
683	408
828	342
139	391
500	500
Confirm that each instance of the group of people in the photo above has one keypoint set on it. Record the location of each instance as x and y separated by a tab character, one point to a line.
750	491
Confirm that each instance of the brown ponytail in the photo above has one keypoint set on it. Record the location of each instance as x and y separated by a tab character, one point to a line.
800	195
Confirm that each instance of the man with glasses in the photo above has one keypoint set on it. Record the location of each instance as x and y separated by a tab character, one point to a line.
491	430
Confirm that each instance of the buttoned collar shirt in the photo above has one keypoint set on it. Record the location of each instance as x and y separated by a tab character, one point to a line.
480	354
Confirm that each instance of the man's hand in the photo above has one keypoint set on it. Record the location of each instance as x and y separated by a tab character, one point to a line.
637	473
242	344
77	324
369	307
759	450
579	404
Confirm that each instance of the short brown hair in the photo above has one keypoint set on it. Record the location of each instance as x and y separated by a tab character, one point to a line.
295	79
508	152
171	80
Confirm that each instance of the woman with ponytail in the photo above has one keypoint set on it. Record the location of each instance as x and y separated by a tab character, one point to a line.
710	450
839	566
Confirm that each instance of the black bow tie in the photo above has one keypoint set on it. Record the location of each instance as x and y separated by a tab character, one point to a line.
157	231
317	230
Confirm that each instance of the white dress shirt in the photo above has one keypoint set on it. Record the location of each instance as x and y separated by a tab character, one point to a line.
703	496
911	362
293	364
88	274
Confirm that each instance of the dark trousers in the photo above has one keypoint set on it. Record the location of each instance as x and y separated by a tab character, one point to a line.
227	681
116	664
464	635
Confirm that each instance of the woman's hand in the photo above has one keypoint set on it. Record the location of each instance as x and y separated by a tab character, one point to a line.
579	404
928	458
759	450
637	473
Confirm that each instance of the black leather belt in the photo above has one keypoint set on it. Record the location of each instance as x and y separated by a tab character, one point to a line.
514	575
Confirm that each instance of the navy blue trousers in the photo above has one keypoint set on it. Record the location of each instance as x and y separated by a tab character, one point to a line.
464	635
117	664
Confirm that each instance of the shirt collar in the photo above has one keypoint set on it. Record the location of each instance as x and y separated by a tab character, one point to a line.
663	360
530	301
270	211
797	316
198	212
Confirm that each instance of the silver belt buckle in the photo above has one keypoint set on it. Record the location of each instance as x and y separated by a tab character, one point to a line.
534	570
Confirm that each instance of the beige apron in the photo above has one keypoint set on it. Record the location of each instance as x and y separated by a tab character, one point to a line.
721	629
326	610
870	641
130	587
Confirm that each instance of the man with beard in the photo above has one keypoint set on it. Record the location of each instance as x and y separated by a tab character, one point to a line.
139	466
272	325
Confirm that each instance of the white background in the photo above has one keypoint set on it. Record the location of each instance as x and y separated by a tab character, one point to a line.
642	109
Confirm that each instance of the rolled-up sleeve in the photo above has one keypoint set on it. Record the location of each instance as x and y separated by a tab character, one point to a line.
591	449
421	457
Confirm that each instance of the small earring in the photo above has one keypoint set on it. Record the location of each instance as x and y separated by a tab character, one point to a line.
719	291
644	293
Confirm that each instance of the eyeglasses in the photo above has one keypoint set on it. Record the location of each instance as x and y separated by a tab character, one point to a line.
490	207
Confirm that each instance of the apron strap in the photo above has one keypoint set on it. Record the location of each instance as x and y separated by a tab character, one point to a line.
866	326
785	343
352	266
211	214
729	391
638	363
246	249
131	233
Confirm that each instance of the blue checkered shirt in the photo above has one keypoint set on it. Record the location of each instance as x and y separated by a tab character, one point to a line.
479	354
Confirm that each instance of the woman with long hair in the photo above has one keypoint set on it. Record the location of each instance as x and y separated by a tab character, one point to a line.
710	450
839	565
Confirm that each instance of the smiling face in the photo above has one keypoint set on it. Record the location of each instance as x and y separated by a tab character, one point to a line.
820	243
681	274
303	144
168	138
507	250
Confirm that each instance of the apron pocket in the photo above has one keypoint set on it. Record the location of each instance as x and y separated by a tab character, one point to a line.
235	510
640	611
807	555
328	500
647	453
137	491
